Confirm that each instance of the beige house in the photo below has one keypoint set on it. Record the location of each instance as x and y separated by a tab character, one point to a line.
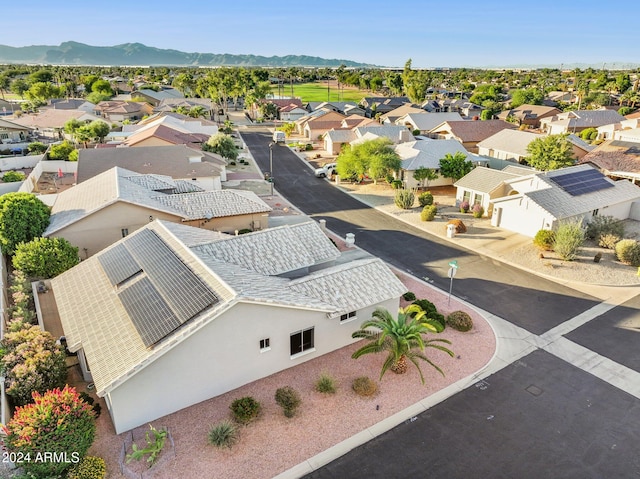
426	154
11	132
176	307
98	212
529	114
469	132
120	110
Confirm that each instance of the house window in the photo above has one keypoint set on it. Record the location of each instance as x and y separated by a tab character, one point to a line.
594	213
265	345
302	341
347	316
124	231
4	136
467	196
477	199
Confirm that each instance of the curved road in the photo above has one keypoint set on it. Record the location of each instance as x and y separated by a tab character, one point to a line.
526	300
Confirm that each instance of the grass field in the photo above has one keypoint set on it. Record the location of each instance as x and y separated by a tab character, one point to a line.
318	92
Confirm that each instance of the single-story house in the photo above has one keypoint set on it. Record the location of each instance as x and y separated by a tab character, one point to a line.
73	104
11	132
98	212
155	97
482	184
50	122
616	159
334	139
121	110
543	200
632	135
469	132
170	306
164	135
316	127
395	133
426	154
608	132
425	122
529	114
393	115
381	105
168	105
207	170
291	112
317	115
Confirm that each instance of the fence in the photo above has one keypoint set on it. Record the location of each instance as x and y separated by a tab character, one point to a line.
48	166
167	455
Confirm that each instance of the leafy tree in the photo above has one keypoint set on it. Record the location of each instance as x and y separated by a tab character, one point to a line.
71	126
455	166
103	87
550	153
19	86
623	82
59	422
422	174
288	128
375	158
13	176
486	92
401	338
529	96
45	257
22	218
32	362
37	148
223	145
44	76
268	110
99	129
42	92
96	97
61	151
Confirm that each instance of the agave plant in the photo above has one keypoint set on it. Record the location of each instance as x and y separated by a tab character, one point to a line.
401	337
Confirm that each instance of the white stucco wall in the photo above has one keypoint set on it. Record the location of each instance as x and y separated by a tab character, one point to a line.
225	355
521	216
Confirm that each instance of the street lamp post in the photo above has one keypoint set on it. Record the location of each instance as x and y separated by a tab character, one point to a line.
271	166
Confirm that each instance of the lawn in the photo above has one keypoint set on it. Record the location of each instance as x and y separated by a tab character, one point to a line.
317	91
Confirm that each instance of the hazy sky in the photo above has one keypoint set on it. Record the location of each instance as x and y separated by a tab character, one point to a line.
382	32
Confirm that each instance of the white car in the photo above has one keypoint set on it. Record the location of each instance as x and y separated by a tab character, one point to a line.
327	171
279	136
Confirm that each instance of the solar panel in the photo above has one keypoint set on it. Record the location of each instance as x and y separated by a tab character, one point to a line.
150	314
186	294
582	182
118	264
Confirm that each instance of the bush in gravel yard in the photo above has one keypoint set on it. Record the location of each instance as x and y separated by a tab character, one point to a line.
404	199
409	296
288	399
326	384
477	210
569	239
464	207
544	239
460	321
602	225
460	227
628	252
428	213
430	311
608	241
91	467
223	434
364	386
245	409
425	199
396	184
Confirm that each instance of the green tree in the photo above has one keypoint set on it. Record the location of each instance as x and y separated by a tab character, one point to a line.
529	96
45	257
455	166
422	174
102	87
13	176
550	153
22	218
401	338
59	422
222	145
19	86
37	148
42	92
375	158
96	97
61	151
268	110
32	362
99	129
71	126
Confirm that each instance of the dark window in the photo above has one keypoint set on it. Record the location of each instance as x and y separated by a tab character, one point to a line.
347	316
301	341
264	343
125	232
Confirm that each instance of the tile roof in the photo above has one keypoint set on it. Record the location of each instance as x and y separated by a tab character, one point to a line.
426	121
342	135
484	180
528	112
427	153
214	204
510	141
616	156
473	130
168	134
586	118
52	118
10	125
94	318
174	161
393	132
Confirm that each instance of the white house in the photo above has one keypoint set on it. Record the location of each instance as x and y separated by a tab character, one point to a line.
543	200
172	315
426	153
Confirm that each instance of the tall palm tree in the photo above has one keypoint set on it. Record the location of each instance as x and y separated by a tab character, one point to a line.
401	337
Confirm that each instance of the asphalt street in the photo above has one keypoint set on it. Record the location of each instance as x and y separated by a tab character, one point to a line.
531	302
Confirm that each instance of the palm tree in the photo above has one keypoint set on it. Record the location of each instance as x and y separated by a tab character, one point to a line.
401	337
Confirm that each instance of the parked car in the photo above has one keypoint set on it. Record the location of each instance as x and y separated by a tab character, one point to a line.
327	171
279	136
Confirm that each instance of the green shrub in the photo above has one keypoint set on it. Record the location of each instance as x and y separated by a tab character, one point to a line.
460	321
464	207
409	296
364	386
308	147
244	231
404	199
544	239
602	225
608	241
288	399
569	239
460	227
58	421
91	467
428	213
154	439
477	210
396	184
223	434
13	176
425	199
326	384
628	252
245	409
431	312
389	179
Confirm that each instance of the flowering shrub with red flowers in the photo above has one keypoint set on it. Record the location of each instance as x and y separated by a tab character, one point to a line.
52	434
32	362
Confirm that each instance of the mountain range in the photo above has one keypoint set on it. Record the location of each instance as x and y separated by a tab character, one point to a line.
137	54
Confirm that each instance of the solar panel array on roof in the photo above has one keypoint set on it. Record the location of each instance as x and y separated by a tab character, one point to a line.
167	294
582	182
